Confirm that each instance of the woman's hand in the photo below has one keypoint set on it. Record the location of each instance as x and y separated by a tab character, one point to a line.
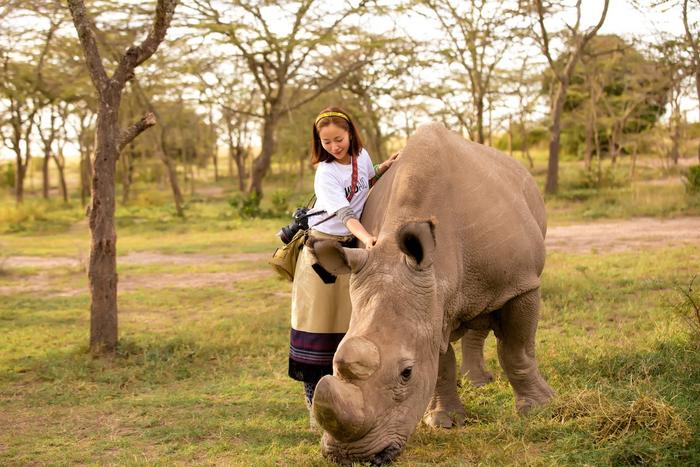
384	166
361	233
369	241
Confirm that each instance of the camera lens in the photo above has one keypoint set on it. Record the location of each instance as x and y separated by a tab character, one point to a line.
287	232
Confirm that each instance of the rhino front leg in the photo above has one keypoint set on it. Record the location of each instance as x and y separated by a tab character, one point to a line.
473	366
445	409
515	332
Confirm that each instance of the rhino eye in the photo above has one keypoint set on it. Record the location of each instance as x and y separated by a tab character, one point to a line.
406	374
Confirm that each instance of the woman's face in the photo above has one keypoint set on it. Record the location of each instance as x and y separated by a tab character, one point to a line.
336	141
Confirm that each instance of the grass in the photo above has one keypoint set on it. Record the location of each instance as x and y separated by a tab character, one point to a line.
200	373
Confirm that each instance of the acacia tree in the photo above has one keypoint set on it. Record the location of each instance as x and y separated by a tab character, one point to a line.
23	85
562	69
110	140
477	34
286	63
692	36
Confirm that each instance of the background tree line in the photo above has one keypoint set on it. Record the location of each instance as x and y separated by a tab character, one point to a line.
244	78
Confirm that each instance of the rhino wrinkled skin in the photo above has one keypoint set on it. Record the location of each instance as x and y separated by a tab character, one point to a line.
460	248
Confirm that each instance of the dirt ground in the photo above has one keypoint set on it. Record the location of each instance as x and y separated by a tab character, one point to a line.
609	236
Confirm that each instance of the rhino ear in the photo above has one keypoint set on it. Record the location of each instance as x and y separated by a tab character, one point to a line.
336	259
417	241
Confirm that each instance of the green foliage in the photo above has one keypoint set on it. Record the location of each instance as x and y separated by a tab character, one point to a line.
36	215
631	84
595	179
280	203
247	205
7	175
535	136
687	307
691	179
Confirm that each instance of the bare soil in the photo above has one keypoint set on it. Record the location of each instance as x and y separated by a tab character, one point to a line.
625	235
608	236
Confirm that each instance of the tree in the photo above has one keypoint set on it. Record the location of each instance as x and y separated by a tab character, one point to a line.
477	33
562	70
692	36
23	84
616	90
110	140
286	63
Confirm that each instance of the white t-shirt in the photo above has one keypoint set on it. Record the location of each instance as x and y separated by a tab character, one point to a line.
331	184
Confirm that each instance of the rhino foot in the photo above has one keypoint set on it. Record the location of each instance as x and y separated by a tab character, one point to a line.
540	397
480	379
445	419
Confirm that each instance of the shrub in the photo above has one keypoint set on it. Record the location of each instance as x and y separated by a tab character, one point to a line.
692	179
688	308
247	206
7	176
608	178
280	206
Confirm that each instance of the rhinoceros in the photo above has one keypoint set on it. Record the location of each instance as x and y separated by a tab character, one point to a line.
460	233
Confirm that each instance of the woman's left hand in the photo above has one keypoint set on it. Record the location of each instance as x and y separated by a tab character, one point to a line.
388	163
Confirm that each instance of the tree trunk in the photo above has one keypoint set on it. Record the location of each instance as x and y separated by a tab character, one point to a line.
588	151
552	183
633	170
45	173
60	162
510	136
126	162
170	169
612	150
102	271
20	171
675	137
480	121
697	87
262	163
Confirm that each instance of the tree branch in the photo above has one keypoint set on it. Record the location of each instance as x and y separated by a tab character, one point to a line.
136	55
84	25
127	136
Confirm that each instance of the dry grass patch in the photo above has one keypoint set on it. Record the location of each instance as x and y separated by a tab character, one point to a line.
610	420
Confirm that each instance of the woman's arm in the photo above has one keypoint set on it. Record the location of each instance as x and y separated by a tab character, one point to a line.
380	169
361	233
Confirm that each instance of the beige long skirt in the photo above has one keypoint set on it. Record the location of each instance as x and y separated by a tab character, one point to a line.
320	318
319	307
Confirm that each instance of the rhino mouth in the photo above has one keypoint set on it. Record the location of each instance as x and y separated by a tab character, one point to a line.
374	453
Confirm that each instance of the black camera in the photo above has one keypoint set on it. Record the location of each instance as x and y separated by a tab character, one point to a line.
300	220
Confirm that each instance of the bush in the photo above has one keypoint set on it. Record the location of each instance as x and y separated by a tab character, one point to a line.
7	176
688	308
247	206
608	178
280	206
692	179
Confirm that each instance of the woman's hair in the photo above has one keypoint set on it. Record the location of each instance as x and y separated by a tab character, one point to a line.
340	118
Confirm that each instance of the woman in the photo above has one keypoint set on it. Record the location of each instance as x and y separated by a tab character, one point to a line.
320	311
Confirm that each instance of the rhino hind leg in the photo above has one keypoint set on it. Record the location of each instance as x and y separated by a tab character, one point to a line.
473	366
445	409
515	331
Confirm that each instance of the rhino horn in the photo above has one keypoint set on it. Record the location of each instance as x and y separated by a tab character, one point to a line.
340	409
356	358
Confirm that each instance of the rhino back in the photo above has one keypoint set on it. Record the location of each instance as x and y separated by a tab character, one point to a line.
490	217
